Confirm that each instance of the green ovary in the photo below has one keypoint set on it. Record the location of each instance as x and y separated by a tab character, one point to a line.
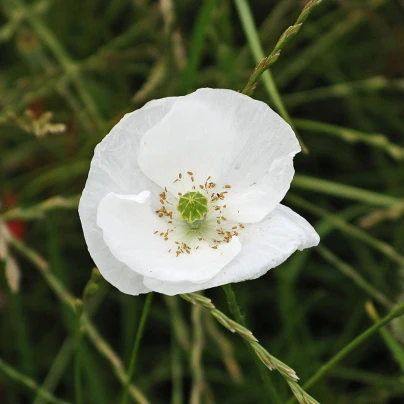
193	207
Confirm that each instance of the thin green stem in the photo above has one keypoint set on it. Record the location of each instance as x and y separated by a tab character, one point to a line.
225	348
92	333
397	312
178	324
22	336
251	33
349	229
352	273
14	374
263	62
66	352
392	344
233	305
77	377
106	350
38	211
200	30
324	43
344	191
236	312
58	367
349	135
135	349
176	371
343	90
198	382
77	364
264	356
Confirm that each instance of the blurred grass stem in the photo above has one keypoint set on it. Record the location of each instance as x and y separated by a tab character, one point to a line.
352	273
136	345
92	333
392	344
264	356
28	382
397	312
349	135
348	228
198	381
263	63
344	191
64	59
236	312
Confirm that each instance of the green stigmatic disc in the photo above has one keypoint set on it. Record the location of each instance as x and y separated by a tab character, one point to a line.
193	207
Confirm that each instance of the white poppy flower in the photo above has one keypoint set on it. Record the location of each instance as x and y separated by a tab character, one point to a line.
184	194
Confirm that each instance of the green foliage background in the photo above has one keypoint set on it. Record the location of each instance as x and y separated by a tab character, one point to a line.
340	79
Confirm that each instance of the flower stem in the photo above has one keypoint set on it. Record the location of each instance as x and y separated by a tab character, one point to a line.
397	312
135	348
235	310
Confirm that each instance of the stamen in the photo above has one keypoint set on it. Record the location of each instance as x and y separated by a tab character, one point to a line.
193	207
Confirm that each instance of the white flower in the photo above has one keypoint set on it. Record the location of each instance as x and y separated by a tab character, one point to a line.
184	195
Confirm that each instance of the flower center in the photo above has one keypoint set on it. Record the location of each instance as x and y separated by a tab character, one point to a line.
193	207
199	218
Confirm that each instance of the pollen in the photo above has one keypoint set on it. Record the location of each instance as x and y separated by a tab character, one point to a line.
193	208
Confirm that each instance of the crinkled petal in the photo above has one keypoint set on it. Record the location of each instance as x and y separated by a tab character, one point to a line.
265	245
114	168
229	137
131	229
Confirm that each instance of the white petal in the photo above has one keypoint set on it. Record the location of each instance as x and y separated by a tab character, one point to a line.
129	225
114	168
265	245
230	137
